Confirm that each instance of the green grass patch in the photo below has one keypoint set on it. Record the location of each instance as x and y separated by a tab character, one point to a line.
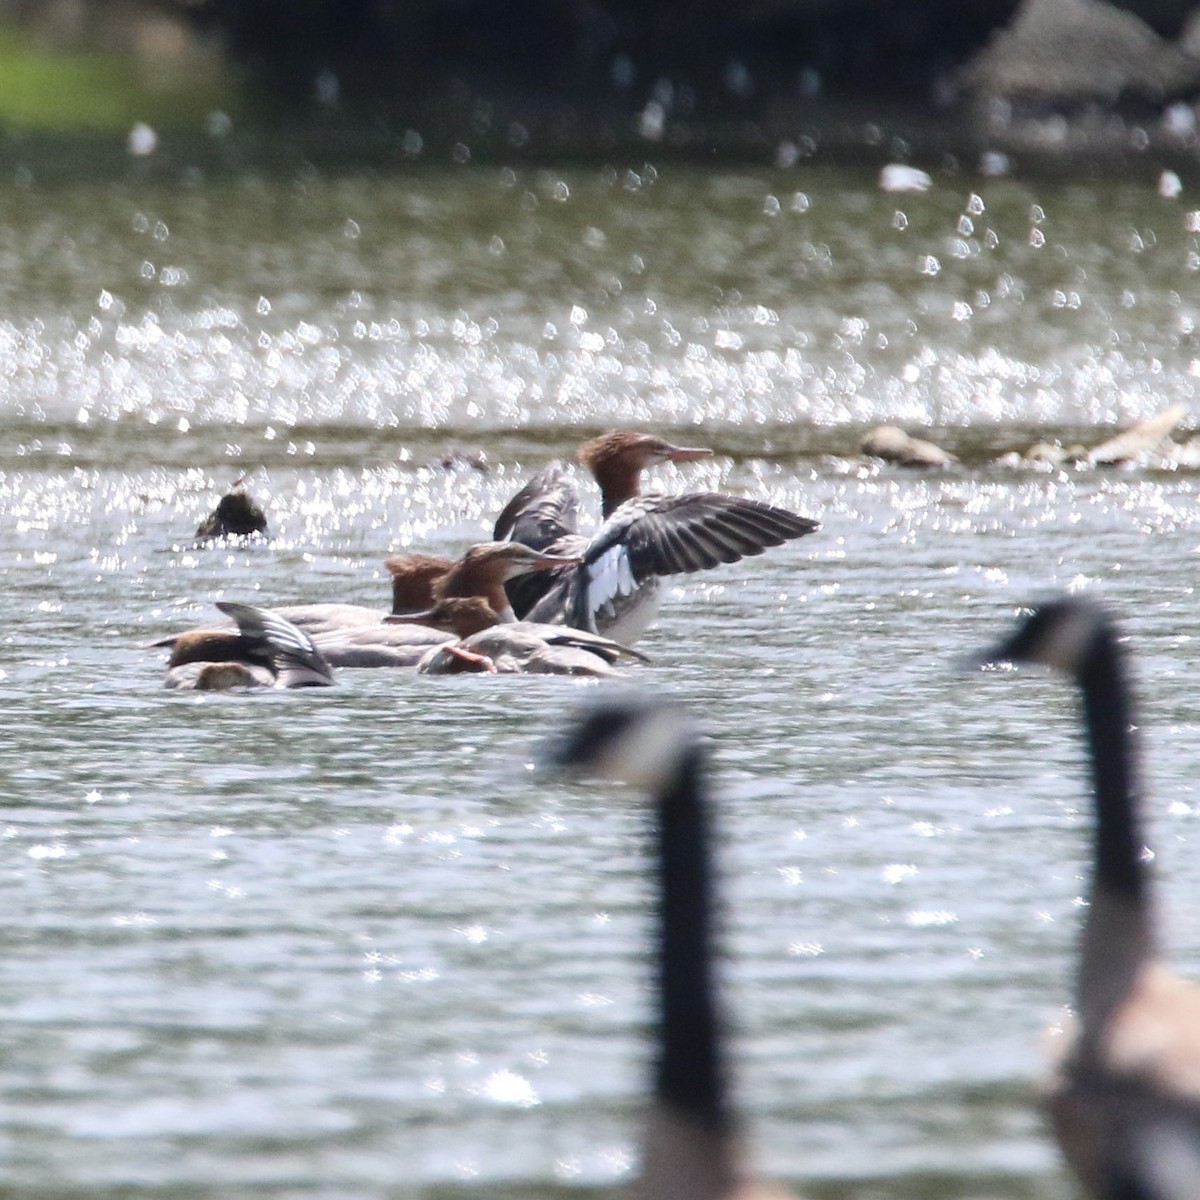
50	90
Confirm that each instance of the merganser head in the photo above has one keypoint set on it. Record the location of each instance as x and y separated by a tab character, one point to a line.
470	662
1057	634
634	450
492	564
459	615
414	577
225	677
617	460
515	559
213	646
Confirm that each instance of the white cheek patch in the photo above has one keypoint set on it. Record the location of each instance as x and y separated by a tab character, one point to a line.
649	750
1067	641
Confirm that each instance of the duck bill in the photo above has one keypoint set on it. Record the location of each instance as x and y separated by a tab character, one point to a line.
688	453
479	662
547	562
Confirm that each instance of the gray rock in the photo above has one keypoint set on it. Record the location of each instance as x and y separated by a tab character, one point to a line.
1143	440
893	445
1079	51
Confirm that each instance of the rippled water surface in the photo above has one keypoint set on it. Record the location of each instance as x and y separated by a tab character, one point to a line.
343	943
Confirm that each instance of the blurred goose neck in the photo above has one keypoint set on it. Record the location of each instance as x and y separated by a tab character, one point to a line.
1118	934
690	1074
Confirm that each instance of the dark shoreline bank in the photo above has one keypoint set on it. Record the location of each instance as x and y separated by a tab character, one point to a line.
528	135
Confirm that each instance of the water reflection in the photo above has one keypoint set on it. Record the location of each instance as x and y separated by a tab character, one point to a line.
688	297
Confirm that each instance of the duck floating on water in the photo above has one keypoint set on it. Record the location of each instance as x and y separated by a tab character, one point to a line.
353	636
381	645
485	569
412	576
484	643
547	507
616	589
1125	1100
690	1145
237	515
265	651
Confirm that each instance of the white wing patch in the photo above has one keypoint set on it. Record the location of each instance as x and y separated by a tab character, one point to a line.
610	576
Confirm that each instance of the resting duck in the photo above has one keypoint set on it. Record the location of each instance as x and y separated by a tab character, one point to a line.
615	590
485	643
266	651
237	515
350	636
413	577
486	568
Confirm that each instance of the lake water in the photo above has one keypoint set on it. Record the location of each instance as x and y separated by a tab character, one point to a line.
342	943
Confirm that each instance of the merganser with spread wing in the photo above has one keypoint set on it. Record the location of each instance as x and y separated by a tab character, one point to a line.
615	590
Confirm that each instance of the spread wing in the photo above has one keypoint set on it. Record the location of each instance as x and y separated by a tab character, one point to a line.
297	662
674	535
544	510
541	515
652	536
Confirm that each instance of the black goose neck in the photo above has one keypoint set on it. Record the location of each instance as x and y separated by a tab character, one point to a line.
1108	715
690	1074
